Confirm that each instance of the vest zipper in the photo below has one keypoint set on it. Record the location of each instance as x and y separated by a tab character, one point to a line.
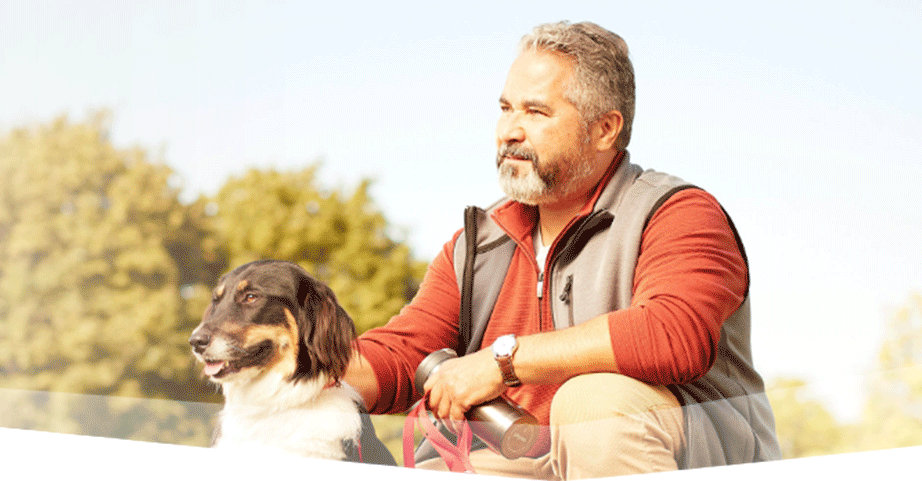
540	285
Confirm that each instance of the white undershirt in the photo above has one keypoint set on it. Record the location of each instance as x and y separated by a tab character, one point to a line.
541	249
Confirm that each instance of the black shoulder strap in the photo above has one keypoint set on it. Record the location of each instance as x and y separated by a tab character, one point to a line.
486	258
465	320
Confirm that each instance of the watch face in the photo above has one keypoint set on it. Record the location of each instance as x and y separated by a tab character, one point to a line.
503	345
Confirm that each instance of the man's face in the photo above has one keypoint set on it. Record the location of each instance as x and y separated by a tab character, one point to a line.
543	151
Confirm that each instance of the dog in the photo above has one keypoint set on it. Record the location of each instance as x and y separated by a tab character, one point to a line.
277	343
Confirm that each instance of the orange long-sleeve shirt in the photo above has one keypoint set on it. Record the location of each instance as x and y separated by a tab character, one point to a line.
690	276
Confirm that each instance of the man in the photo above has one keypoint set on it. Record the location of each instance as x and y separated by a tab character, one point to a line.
622	320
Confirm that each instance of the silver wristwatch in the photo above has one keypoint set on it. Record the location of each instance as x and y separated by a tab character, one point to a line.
504	348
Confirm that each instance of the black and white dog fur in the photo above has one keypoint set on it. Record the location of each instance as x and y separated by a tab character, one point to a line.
278	343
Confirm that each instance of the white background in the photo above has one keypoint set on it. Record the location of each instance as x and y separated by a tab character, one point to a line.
37	455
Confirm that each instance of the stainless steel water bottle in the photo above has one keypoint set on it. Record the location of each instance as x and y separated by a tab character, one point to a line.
500	423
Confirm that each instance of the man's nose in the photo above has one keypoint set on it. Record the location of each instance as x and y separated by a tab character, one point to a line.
509	131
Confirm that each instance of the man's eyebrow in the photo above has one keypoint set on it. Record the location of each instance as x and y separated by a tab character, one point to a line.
536	104
528	104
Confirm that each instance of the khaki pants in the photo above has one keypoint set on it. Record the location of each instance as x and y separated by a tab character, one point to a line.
602	425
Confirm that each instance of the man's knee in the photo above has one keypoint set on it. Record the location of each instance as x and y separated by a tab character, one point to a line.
640	427
597	396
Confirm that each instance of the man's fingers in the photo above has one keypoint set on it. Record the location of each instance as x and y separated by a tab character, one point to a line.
444	411
445	408
437	404
455	420
440	403
458	412
451	411
453	390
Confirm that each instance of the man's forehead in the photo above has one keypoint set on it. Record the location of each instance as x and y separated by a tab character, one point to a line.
537	76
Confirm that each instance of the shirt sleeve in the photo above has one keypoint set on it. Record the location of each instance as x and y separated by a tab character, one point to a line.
690	277
428	323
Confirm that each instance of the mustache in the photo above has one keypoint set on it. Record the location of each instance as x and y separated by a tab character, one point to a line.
518	151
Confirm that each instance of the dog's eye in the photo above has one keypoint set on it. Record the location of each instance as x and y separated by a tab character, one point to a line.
249	297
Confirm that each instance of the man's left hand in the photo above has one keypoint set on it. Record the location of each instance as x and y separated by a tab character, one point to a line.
461	383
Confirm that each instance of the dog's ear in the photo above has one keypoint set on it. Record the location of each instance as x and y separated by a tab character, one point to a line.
327	332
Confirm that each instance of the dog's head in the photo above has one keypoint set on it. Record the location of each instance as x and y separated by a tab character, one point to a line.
272	316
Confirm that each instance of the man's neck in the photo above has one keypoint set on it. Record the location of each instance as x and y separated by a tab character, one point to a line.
553	218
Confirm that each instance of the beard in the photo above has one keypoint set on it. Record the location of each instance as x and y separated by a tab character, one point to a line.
546	181
527	186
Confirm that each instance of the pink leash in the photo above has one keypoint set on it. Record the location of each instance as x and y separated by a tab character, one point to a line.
457	458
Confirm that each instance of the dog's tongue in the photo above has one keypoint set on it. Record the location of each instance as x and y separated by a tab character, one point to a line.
212	368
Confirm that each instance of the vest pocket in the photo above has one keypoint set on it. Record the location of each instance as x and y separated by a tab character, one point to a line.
567	298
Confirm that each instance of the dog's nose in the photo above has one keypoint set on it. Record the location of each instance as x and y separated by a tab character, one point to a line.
200	341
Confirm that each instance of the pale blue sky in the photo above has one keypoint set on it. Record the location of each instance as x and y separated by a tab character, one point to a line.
804	121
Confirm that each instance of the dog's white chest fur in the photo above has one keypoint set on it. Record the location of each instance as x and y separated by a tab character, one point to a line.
303	419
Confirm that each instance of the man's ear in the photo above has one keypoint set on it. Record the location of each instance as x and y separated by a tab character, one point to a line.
606	129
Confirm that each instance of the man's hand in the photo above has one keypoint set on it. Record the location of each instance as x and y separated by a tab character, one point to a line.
546	358
460	383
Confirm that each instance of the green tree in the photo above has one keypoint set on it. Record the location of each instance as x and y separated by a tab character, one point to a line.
804	426
341	239
892	417
95	250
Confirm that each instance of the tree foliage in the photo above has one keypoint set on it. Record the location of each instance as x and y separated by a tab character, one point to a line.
94	249
340	239
892	416
104	273
804	426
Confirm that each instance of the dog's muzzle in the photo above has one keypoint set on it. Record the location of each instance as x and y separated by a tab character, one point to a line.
200	341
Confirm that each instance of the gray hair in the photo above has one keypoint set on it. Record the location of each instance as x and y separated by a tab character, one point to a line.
604	78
